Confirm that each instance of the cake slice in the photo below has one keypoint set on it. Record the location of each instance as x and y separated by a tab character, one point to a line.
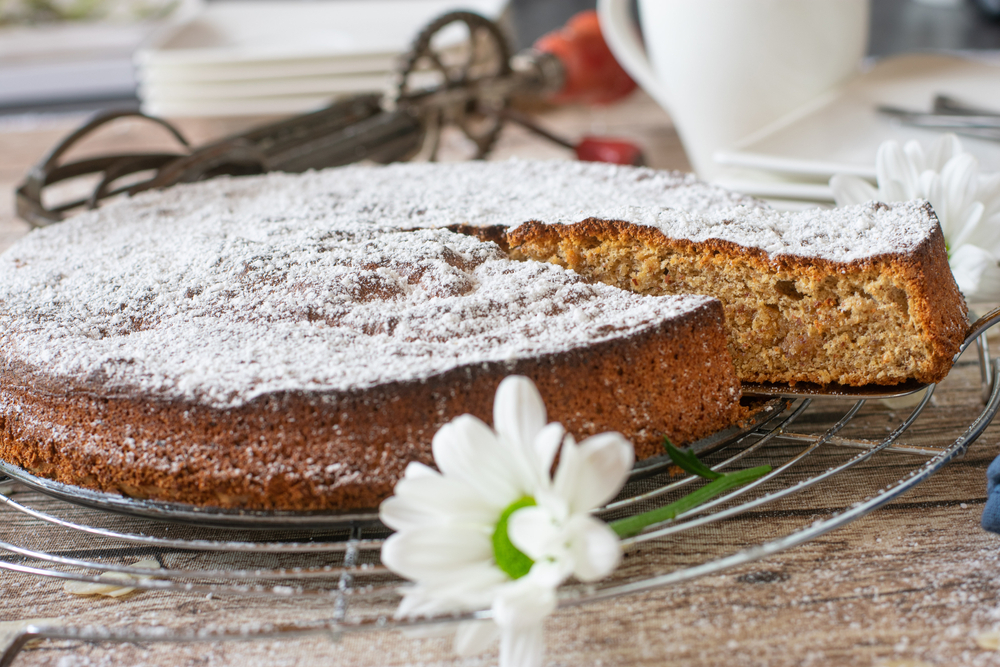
854	296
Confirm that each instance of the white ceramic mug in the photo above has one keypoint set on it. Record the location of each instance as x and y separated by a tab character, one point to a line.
724	69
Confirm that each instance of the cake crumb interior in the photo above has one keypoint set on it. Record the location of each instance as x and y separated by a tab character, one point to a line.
784	325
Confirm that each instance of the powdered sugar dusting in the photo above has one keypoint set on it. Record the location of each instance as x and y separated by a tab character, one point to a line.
842	234
499	193
232	289
509	193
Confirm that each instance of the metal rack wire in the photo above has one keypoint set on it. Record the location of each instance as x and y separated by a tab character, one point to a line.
823	470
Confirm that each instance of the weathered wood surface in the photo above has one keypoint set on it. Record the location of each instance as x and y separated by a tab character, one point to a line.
913	584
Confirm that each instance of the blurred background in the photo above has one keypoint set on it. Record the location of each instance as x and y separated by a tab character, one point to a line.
72	55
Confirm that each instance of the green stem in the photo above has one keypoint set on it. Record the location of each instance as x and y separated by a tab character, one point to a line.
688	461
633	525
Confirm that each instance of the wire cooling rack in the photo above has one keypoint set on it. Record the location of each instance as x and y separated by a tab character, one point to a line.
827	472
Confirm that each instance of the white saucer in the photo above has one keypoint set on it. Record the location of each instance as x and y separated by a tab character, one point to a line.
841	132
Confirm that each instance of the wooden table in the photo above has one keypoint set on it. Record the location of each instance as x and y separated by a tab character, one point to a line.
913	584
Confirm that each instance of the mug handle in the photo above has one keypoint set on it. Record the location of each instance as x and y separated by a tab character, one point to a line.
622	37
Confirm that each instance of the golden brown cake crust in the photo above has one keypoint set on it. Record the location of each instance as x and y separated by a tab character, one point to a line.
343	450
938	304
916	286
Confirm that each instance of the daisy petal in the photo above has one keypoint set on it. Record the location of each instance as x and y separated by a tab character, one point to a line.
959	184
418	601
423	602
849	190
915	154
417	469
595	470
428	500
523	602
534	532
897	178
929	185
547	444
962	175
987	234
594	547
401	515
943	149
522	646
567	472
465	589
890	190
474	637
467	449
977	274
435	551
965	224
548	573
474	587
518	410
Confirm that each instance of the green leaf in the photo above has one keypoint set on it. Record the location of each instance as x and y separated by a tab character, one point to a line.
633	525
509	558
688	462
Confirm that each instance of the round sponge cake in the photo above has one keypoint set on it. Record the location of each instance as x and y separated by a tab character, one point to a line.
292	342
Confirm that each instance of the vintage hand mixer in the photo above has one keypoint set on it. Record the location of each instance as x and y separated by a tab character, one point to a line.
470	87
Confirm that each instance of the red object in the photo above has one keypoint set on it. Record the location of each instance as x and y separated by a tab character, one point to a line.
593	76
615	151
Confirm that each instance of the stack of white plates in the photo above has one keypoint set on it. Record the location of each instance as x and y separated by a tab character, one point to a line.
263	57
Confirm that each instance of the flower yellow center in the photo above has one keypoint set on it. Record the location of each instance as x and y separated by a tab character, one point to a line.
509	558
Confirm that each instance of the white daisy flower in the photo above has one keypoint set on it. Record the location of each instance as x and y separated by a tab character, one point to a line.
494	529
967	204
